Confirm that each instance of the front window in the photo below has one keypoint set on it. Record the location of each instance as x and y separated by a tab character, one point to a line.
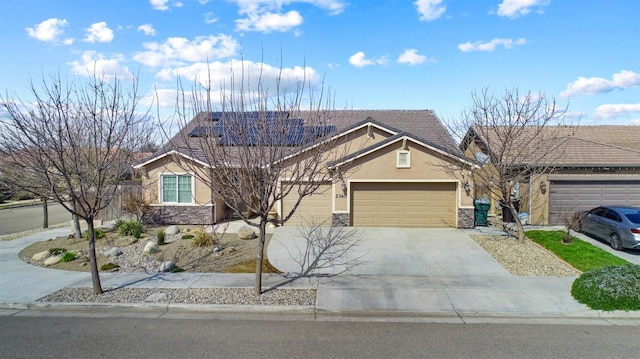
176	189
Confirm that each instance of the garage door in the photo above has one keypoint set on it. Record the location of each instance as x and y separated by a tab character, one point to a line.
315	208
567	197
403	204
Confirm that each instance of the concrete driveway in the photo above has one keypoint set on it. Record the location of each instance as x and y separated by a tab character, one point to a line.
397	252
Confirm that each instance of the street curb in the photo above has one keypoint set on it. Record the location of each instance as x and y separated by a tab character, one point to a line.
285	312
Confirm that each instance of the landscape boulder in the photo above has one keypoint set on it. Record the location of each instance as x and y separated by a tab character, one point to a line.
40	256
246	232
52	260
171	230
151	247
113	252
166	266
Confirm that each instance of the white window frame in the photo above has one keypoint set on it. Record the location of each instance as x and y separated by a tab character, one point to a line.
399	162
177	175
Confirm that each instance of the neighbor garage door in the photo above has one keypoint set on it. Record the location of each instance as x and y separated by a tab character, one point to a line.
315	208
403	204
567	197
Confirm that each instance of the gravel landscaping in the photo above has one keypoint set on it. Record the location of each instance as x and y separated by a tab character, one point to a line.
524	258
235	296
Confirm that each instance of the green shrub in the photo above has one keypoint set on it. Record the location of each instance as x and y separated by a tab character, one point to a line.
609	288
2	198
22	195
57	251
130	227
109	266
187	236
160	234
68	257
97	234
177	270
202	239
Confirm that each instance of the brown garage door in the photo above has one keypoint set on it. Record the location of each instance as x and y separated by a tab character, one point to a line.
403	204
567	197
315	208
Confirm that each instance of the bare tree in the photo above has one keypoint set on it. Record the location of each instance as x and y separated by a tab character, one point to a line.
512	138
78	139
259	147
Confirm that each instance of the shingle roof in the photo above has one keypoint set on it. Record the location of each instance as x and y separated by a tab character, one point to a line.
592	146
422	124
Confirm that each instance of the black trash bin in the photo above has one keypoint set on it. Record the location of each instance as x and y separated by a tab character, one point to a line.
507	217
481	211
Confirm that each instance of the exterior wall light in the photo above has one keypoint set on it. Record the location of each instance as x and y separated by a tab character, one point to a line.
543	187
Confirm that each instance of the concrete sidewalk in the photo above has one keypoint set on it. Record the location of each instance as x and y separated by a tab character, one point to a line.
461	285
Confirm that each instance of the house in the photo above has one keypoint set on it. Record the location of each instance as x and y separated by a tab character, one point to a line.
593	166
397	175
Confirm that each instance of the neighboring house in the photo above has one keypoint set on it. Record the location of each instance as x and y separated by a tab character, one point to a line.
597	165
397	177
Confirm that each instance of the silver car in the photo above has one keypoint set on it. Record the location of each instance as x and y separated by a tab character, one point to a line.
618	225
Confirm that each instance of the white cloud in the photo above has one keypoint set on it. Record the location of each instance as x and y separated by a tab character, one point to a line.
177	50
267	15
491	45
159	4
220	75
210	18
616	110
358	60
48	30
68	41
430	9
516	8
411	57
92	62
595	85
268	22
147	29
99	32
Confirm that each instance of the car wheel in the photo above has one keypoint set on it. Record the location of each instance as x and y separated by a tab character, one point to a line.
615	242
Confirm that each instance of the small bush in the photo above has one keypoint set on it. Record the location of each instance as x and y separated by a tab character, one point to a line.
187	236
57	251
2	198
131	227
202	239
160	234
68	257
609	288
109	266
177	270
22	195
97	234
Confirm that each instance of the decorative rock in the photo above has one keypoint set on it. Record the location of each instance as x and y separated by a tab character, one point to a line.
172	230
151	247
217	249
113	252
84	264
52	260
166	266
245	232
40	256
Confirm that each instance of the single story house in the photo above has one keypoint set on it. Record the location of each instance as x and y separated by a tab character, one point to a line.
598	165
398	176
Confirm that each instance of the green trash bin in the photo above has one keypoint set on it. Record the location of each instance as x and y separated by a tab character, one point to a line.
481	211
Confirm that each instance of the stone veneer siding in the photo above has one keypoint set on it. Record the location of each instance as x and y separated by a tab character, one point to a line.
340	219
466	218
179	215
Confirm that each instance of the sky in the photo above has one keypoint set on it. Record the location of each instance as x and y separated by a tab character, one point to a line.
367	54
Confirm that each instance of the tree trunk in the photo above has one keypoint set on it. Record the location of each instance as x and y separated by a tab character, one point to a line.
516	220
260	256
76	224
95	276
45	210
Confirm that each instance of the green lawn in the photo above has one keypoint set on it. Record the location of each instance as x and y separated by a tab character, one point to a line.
579	254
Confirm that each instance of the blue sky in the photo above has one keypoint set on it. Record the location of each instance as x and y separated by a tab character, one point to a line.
382	54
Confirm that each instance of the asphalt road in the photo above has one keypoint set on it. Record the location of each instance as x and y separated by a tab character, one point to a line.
20	219
46	337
